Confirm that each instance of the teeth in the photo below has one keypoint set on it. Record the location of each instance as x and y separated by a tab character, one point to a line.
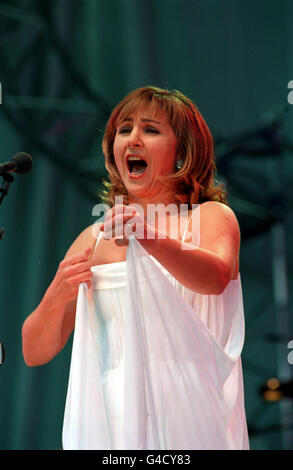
136	164
134	157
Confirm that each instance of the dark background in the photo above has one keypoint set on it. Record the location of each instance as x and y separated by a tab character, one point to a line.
63	66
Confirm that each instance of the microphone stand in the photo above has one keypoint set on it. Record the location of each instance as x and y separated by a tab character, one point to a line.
7	180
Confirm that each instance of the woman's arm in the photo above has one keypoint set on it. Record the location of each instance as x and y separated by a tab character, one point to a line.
208	268
47	329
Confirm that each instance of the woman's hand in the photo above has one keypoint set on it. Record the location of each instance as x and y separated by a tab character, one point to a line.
123	222
47	329
71	272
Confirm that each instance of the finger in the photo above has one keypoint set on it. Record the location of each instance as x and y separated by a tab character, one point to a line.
108	222
115	210
113	226
116	223
82	277
130	211
122	242
113	216
72	270
136	210
83	256
108	217
118	209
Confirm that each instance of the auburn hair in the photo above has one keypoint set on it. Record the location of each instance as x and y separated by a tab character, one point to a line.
194	182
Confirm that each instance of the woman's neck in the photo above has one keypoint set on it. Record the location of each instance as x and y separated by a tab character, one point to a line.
159	199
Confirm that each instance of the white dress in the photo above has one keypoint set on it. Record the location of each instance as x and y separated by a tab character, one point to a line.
154	365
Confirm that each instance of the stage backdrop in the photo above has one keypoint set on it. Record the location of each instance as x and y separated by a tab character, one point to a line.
63	66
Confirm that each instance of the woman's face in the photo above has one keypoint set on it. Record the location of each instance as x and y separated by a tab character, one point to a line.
144	148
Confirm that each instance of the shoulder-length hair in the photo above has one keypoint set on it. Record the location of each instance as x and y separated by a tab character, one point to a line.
193	182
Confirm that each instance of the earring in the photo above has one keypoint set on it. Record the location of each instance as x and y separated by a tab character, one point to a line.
179	164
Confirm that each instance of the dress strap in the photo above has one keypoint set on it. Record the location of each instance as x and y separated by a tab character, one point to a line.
100	235
186	228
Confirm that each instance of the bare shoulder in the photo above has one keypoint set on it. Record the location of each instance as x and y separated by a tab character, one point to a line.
220	233
86	239
218	216
216	207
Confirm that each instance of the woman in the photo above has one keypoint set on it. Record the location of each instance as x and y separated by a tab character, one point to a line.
157	342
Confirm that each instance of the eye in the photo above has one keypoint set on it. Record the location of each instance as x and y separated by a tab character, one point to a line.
147	129
124	130
151	130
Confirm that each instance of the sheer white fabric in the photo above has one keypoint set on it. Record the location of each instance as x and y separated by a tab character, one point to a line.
155	365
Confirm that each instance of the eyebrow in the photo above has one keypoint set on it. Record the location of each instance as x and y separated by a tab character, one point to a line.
143	120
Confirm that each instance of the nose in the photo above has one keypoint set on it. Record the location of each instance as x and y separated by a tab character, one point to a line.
134	139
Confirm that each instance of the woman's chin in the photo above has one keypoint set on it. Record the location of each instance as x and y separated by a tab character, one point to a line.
137	186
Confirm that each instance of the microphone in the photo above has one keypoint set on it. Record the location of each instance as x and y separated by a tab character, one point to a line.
21	162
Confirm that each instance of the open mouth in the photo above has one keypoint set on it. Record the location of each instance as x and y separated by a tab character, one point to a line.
136	165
